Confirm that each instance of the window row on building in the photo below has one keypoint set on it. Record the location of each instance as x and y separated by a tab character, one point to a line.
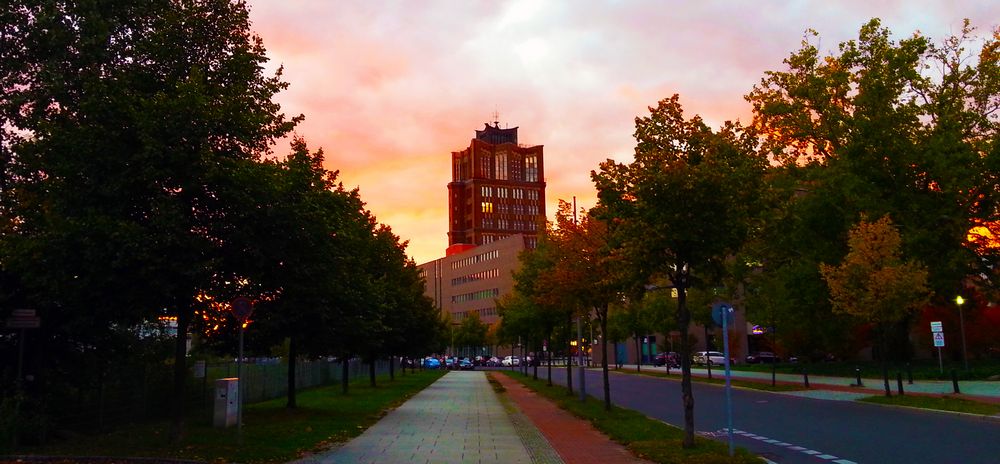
516	208
501	166
507	224
473	296
490	191
502	208
484	312
476	276
478	258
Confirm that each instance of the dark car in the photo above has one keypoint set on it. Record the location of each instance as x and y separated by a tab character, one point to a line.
465	365
667	358
762	357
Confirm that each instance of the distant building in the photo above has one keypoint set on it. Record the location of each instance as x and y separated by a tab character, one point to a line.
497	189
496	208
472	280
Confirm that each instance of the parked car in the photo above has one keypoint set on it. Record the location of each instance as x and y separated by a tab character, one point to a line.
766	357
714	358
665	358
465	365
509	361
432	363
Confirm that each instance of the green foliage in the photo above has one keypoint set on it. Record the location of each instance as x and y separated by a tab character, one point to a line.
688	200
471	332
138	181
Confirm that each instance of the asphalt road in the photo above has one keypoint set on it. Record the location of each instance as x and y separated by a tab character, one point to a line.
789	429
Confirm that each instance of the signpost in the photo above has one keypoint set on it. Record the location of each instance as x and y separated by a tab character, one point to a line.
22	319
937	330
722	314
242	309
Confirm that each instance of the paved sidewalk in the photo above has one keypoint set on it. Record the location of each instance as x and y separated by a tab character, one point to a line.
458	419
575	440
982	390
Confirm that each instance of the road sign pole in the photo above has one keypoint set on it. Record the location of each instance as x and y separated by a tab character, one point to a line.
729	395
940	362
239	389
20	360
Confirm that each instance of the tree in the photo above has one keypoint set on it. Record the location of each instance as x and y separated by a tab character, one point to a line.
125	121
873	283
906	128
537	282
471	332
688	200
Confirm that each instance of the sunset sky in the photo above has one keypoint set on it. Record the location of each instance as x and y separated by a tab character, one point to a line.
390	89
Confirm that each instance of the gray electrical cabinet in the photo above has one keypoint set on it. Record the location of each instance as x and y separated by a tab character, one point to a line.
227	402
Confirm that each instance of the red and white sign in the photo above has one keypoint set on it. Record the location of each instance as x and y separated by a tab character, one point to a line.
23	319
242	308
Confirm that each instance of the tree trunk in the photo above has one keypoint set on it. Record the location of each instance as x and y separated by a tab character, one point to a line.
884	359
602	315
293	356
638	353
180	373
548	355
371	372
392	375
569	354
344	373
683	320
534	363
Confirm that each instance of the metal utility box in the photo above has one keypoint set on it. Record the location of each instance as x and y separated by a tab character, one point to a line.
227	402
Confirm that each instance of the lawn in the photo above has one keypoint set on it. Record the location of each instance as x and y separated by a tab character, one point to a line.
271	433
922	369
717	379
649	438
940	403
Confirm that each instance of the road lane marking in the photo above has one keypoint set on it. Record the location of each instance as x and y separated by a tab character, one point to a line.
789	446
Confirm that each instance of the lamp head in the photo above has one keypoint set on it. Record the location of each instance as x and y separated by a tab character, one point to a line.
959	300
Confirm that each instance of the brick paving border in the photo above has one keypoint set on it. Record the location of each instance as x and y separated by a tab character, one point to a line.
575	439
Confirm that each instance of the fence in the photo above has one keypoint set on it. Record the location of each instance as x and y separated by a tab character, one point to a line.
128	395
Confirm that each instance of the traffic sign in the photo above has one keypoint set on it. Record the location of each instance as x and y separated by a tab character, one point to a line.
939	339
720	310
242	308
23	319
937	327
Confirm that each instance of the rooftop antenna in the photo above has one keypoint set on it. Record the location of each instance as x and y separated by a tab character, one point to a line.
496	118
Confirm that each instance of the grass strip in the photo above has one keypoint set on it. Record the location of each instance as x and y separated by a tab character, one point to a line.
763	385
271	432
648	438
938	403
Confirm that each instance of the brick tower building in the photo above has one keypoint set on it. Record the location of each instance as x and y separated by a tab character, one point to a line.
497	189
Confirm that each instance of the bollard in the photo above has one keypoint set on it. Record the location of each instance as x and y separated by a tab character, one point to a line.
899	382
909	374
805	377
857	372
954	380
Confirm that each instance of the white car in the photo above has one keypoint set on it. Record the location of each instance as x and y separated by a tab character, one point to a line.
509	361
714	358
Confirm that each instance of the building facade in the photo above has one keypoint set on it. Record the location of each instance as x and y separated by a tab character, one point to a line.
497	190
472	280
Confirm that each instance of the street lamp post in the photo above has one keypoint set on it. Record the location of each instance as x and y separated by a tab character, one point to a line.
961	326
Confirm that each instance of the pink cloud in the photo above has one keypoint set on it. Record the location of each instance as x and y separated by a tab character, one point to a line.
390	89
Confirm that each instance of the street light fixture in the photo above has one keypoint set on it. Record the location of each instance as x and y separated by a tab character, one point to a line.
961	326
